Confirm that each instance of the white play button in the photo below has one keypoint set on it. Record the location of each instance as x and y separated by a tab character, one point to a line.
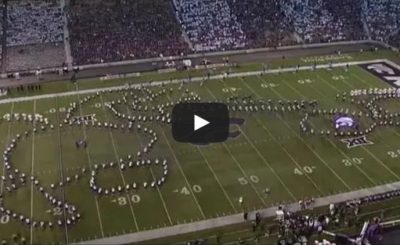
199	122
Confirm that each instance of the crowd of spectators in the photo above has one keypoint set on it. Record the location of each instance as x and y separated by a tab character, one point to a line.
312	21
383	19
349	13
262	22
31	22
1	31
104	31
210	24
295	227
274	23
395	39
34	34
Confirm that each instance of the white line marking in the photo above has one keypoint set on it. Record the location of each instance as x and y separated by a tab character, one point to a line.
90	166
301	139
194	79
60	162
32	172
154	177
8	139
265	161
216	178
287	152
183	173
119	165
329	140
239	165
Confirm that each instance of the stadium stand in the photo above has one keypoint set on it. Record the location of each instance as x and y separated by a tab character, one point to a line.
349	13
262	21
210	25
104	31
1	32
378	12
312	21
34	26
34	56
395	39
31	22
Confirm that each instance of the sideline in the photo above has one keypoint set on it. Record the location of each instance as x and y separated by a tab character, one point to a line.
194	79
237	218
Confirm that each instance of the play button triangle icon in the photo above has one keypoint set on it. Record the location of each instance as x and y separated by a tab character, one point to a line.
199	122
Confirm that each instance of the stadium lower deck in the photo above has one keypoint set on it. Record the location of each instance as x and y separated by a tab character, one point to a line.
153	181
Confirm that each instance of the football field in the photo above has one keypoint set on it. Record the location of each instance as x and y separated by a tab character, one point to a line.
130	176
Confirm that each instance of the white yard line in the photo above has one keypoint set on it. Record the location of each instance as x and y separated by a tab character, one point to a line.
213	173
180	167
61	172
90	166
238	164
245	174
268	165
329	140
162	199
119	165
32	171
286	152
217	179
301	139
8	139
183	173
194	79
262	157
154	177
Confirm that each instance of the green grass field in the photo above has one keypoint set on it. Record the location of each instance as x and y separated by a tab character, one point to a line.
203	181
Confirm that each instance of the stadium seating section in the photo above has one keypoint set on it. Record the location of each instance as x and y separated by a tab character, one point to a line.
210	25
105	31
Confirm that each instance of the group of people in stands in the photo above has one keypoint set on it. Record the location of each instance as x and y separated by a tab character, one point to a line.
200	26
31	22
105	31
210	25
383	20
108	31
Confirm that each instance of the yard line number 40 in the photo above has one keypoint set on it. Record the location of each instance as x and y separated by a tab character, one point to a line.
304	170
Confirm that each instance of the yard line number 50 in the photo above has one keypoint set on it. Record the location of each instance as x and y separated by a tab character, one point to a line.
245	181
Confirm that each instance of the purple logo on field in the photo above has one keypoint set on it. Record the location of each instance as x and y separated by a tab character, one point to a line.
344	122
